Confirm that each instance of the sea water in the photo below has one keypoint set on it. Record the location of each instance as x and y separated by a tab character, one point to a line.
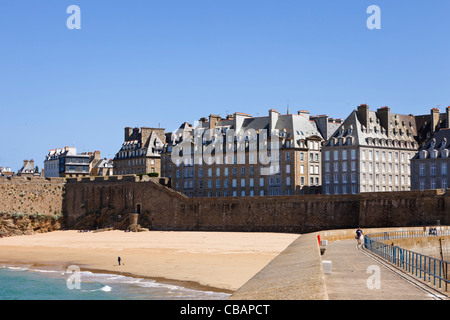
22	283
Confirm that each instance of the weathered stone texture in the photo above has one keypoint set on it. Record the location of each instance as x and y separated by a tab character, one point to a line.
103	202
23	195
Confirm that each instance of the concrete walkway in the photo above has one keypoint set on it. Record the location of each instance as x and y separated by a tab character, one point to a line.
349	277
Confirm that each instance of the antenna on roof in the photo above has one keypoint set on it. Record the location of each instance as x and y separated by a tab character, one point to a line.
288	107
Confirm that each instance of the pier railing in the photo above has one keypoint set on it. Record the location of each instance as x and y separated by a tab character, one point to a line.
429	269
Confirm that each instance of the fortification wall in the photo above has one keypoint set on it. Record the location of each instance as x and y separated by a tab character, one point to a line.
99	202
102	202
21	195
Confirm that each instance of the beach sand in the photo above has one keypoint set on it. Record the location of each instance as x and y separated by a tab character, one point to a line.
219	261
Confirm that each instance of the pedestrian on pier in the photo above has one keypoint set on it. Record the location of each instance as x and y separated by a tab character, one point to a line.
359	236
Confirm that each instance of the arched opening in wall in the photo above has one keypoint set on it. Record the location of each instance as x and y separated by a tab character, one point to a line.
138	208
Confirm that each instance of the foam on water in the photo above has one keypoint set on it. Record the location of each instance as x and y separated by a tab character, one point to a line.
20	282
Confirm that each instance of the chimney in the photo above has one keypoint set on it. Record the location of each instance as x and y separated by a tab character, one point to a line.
303	113
434	120
384	114
31	162
447	117
128	132
25	162
363	115
213	120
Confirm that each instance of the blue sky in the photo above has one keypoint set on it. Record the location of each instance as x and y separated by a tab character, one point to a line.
160	63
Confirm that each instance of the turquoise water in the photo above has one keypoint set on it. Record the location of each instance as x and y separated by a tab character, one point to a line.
18	283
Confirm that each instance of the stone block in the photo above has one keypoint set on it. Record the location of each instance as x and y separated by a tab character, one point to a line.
327	266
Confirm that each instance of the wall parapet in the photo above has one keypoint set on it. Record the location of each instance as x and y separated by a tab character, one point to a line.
288	277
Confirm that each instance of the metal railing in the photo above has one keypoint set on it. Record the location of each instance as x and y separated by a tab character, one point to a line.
429	269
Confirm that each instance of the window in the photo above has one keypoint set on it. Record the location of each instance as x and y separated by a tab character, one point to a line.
422	169
443	168
336	189
327	155
422	184
344	154
433	183
433	169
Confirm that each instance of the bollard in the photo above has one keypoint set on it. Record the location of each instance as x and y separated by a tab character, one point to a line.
318	238
327	266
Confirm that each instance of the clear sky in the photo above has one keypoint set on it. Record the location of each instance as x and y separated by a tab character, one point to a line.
160	63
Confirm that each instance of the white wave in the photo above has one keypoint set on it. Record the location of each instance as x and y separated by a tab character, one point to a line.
104	289
17	268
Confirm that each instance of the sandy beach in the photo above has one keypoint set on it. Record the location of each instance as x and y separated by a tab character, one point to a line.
218	261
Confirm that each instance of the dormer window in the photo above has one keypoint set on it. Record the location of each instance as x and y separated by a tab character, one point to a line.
433	143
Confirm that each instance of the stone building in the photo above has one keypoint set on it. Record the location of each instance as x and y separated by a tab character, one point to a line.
99	166
6	172
66	162
28	169
430	166
370	152
241	155
141	151
102	167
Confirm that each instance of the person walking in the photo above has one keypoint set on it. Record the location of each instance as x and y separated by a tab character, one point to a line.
359	236
118	259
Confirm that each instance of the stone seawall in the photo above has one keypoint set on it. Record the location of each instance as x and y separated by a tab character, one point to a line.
91	203
20	195
102	202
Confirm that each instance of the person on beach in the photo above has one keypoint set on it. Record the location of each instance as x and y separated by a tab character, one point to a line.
118	259
359	236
